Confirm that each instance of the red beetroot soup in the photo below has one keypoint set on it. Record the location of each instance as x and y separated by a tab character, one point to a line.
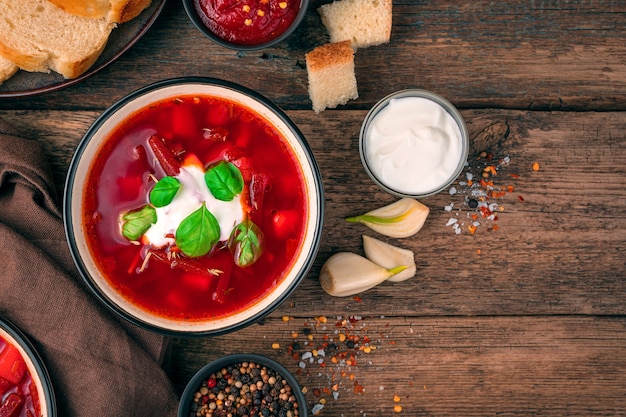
247	22
18	393
184	279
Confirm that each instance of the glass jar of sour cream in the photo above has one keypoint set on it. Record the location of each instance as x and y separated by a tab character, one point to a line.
414	143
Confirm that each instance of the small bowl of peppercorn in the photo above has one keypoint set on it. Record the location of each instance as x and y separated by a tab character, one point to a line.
243	385
246	25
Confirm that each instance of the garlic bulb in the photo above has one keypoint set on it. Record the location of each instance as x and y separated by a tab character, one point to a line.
346	273
390	256
402	218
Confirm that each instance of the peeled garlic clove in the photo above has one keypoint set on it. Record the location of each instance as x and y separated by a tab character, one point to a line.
346	273
389	257
403	218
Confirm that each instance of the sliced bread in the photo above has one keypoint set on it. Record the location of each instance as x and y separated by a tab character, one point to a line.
117	11
364	22
38	36
332	80
7	69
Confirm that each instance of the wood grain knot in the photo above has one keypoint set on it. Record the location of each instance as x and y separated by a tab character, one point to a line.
489	136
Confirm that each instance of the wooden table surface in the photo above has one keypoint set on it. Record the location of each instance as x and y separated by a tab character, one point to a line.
527	315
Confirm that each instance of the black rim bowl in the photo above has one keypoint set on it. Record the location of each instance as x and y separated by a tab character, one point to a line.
199	24
196	381
36	366
73	230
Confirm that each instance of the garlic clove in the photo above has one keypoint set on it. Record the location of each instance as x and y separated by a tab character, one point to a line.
402	218
346	273
390	256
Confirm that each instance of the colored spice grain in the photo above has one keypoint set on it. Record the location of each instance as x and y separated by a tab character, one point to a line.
482	196
245	389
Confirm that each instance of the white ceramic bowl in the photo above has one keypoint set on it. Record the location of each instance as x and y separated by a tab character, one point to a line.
36	368
82	162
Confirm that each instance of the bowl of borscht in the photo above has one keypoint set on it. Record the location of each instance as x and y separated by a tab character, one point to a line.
25	386
246	25
193	206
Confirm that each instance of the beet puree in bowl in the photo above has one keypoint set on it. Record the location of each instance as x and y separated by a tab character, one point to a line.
193	206
246	24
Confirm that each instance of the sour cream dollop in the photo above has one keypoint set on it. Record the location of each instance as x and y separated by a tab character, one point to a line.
413	145
193	192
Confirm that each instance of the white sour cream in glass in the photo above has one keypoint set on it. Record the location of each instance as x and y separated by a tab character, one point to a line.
413	145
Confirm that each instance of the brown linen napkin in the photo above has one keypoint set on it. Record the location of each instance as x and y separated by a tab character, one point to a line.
99	365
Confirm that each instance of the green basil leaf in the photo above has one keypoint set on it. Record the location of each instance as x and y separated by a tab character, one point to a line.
246	243
224	181
164	191
198	233
137	222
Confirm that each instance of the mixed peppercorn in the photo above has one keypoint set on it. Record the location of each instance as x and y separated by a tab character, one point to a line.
245	389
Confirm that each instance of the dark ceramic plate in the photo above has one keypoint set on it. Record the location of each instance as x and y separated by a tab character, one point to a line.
25	83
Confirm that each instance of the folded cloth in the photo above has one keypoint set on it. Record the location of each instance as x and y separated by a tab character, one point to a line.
98	365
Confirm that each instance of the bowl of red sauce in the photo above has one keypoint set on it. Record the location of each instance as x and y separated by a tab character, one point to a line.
246	25
25	386
193	206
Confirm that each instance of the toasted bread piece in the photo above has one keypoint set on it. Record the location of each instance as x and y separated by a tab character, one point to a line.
332	80
38	36
116	11
364	22
7	69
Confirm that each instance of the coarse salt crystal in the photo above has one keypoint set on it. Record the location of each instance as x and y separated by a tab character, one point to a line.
451	221
452	190
317	408
307	355
302	365
469	176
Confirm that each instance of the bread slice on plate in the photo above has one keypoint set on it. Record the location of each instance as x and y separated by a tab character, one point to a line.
364	22
7	69
116	11
38	36
332	80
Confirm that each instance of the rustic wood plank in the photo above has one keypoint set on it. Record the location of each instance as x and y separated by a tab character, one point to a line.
528	319
473	366
559	251
540	55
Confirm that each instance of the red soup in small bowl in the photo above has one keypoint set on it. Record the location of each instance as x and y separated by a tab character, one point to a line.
193	206
25	387
246	24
